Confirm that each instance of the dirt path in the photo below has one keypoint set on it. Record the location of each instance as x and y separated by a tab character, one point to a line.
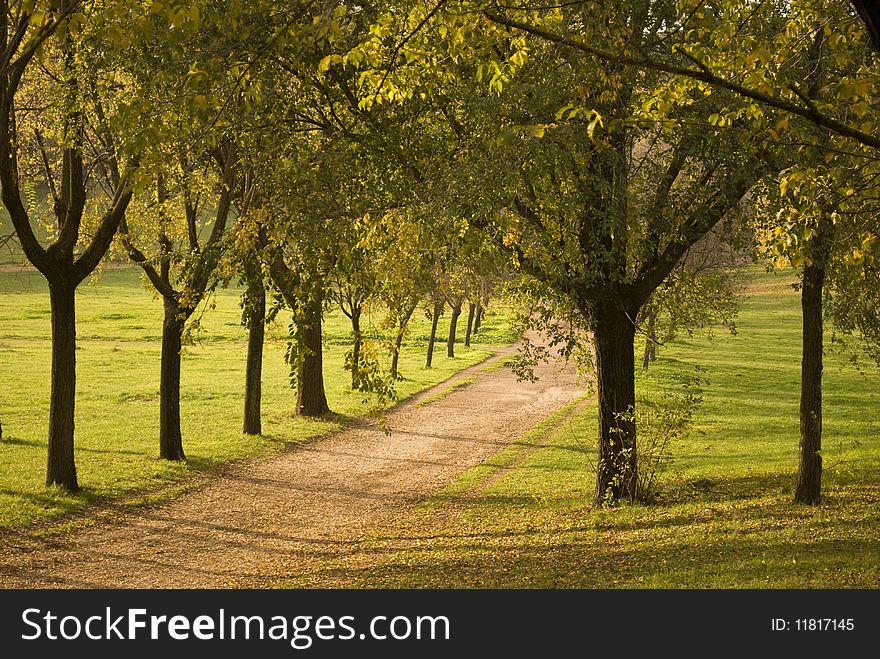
268	520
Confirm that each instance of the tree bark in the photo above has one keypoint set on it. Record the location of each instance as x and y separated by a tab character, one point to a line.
435	318
61	468
453	325
809	483
170	440
310	397
253	381
470	324
356	345
614	340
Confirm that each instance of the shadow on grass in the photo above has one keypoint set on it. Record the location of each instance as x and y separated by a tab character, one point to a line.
54	498
732	563
18	441
762	541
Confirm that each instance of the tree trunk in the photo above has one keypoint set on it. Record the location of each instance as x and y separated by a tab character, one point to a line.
478	316
253	381
398	340
435	318
356	345
453	324
170	440
809	484
61	468
650	354
310	397
614	339
470	324
395	357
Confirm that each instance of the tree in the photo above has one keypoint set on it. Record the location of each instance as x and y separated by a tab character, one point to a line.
355	286
435	310
73	253
254	318
755	50
455	302
305	298
601	214
186	264
401	247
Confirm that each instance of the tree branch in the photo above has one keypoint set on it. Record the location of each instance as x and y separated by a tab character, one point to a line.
809	113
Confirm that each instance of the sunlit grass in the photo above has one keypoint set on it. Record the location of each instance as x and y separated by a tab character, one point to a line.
724	518
118	331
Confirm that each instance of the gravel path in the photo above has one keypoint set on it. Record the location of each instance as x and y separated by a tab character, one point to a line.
270	519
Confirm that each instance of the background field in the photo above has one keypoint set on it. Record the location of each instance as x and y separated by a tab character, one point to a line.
119	330
724	518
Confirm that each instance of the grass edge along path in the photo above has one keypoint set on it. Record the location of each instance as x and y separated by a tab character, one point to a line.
725	517
117	395
189	479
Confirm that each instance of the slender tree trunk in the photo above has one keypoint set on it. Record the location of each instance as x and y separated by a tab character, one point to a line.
356	345
395	357
253	381
398	340
170	440
310	397
453	325
614	338
435	318
809	484
650	354
61	468
470	324
478	316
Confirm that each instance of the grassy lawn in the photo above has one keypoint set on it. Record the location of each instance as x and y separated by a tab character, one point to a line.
10	251
118	331
724	516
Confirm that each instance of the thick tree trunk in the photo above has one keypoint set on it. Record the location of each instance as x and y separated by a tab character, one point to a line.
809	484
435	318
61	468
253	380
650	353
356	346
470	324
453	325
310	397
170	440
614	337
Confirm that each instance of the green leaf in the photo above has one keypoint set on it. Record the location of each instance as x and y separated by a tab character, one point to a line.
561	111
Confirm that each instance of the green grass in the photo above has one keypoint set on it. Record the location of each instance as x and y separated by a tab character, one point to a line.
118	332
443	393
498	364
724	518
10	250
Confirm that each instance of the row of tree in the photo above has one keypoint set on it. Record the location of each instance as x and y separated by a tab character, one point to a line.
218	171
413	150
